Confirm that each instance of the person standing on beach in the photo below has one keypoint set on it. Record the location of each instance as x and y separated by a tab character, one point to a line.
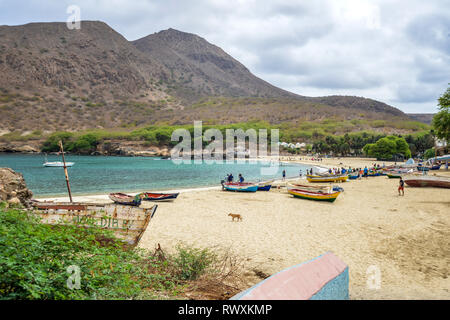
366	171
241	178
284	175
401	187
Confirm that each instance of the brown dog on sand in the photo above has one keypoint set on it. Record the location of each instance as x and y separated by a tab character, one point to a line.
237	216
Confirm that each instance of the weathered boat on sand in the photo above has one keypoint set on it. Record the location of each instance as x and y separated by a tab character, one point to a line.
312	195
127	223
323	278
153	196
125	199
331	178
240	187
427	181
393	176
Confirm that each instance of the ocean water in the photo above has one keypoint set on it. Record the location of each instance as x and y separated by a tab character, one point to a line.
104	174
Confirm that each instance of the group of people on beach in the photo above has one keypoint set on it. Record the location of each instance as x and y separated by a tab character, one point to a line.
230	178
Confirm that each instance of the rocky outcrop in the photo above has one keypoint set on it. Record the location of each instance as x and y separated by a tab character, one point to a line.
13	188
130	148
20	146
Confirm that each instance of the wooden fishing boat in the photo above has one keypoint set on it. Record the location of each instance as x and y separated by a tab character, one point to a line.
353	177
125	199
240	187
427	181
127	223
423	168
153	196
311	195
335	178
314	188
393	176
435	167
265	186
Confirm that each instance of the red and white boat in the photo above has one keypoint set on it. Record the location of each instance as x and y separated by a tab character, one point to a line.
427	181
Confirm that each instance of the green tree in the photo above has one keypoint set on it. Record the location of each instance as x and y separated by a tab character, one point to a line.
441	121
387	148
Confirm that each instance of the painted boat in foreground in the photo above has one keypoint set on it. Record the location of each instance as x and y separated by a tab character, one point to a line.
427	181
336	178
312	195
125	199
323	278
153	196
127	223
240	187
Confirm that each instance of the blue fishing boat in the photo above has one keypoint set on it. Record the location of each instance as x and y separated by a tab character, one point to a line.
353	177
265	186
240	187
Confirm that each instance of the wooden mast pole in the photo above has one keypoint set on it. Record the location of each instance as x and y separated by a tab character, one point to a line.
65	170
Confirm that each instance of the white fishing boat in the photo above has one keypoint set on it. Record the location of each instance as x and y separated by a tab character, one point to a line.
58	164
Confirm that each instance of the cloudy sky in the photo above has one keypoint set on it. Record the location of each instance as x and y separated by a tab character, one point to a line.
394	51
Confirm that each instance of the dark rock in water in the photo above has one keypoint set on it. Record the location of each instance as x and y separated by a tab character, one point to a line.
13	188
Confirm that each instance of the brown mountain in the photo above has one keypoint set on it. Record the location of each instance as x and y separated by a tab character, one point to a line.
199	68
53	78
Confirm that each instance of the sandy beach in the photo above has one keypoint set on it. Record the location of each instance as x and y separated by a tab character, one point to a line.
406	238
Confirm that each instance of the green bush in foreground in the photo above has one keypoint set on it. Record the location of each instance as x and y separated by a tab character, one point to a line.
34	261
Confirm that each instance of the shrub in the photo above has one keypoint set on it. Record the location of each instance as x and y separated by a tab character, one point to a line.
192	262
34	261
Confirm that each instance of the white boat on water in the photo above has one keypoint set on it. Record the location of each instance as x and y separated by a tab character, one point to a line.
58	164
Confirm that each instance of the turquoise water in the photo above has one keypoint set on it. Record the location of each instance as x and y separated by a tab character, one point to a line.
103	174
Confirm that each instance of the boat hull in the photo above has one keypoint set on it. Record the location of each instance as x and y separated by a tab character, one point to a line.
124	199
127	223
240	187
151	196
393	176
58	164
323	278
427	182
316	196
264	188
326	178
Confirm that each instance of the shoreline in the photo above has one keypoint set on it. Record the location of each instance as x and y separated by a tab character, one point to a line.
103	196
